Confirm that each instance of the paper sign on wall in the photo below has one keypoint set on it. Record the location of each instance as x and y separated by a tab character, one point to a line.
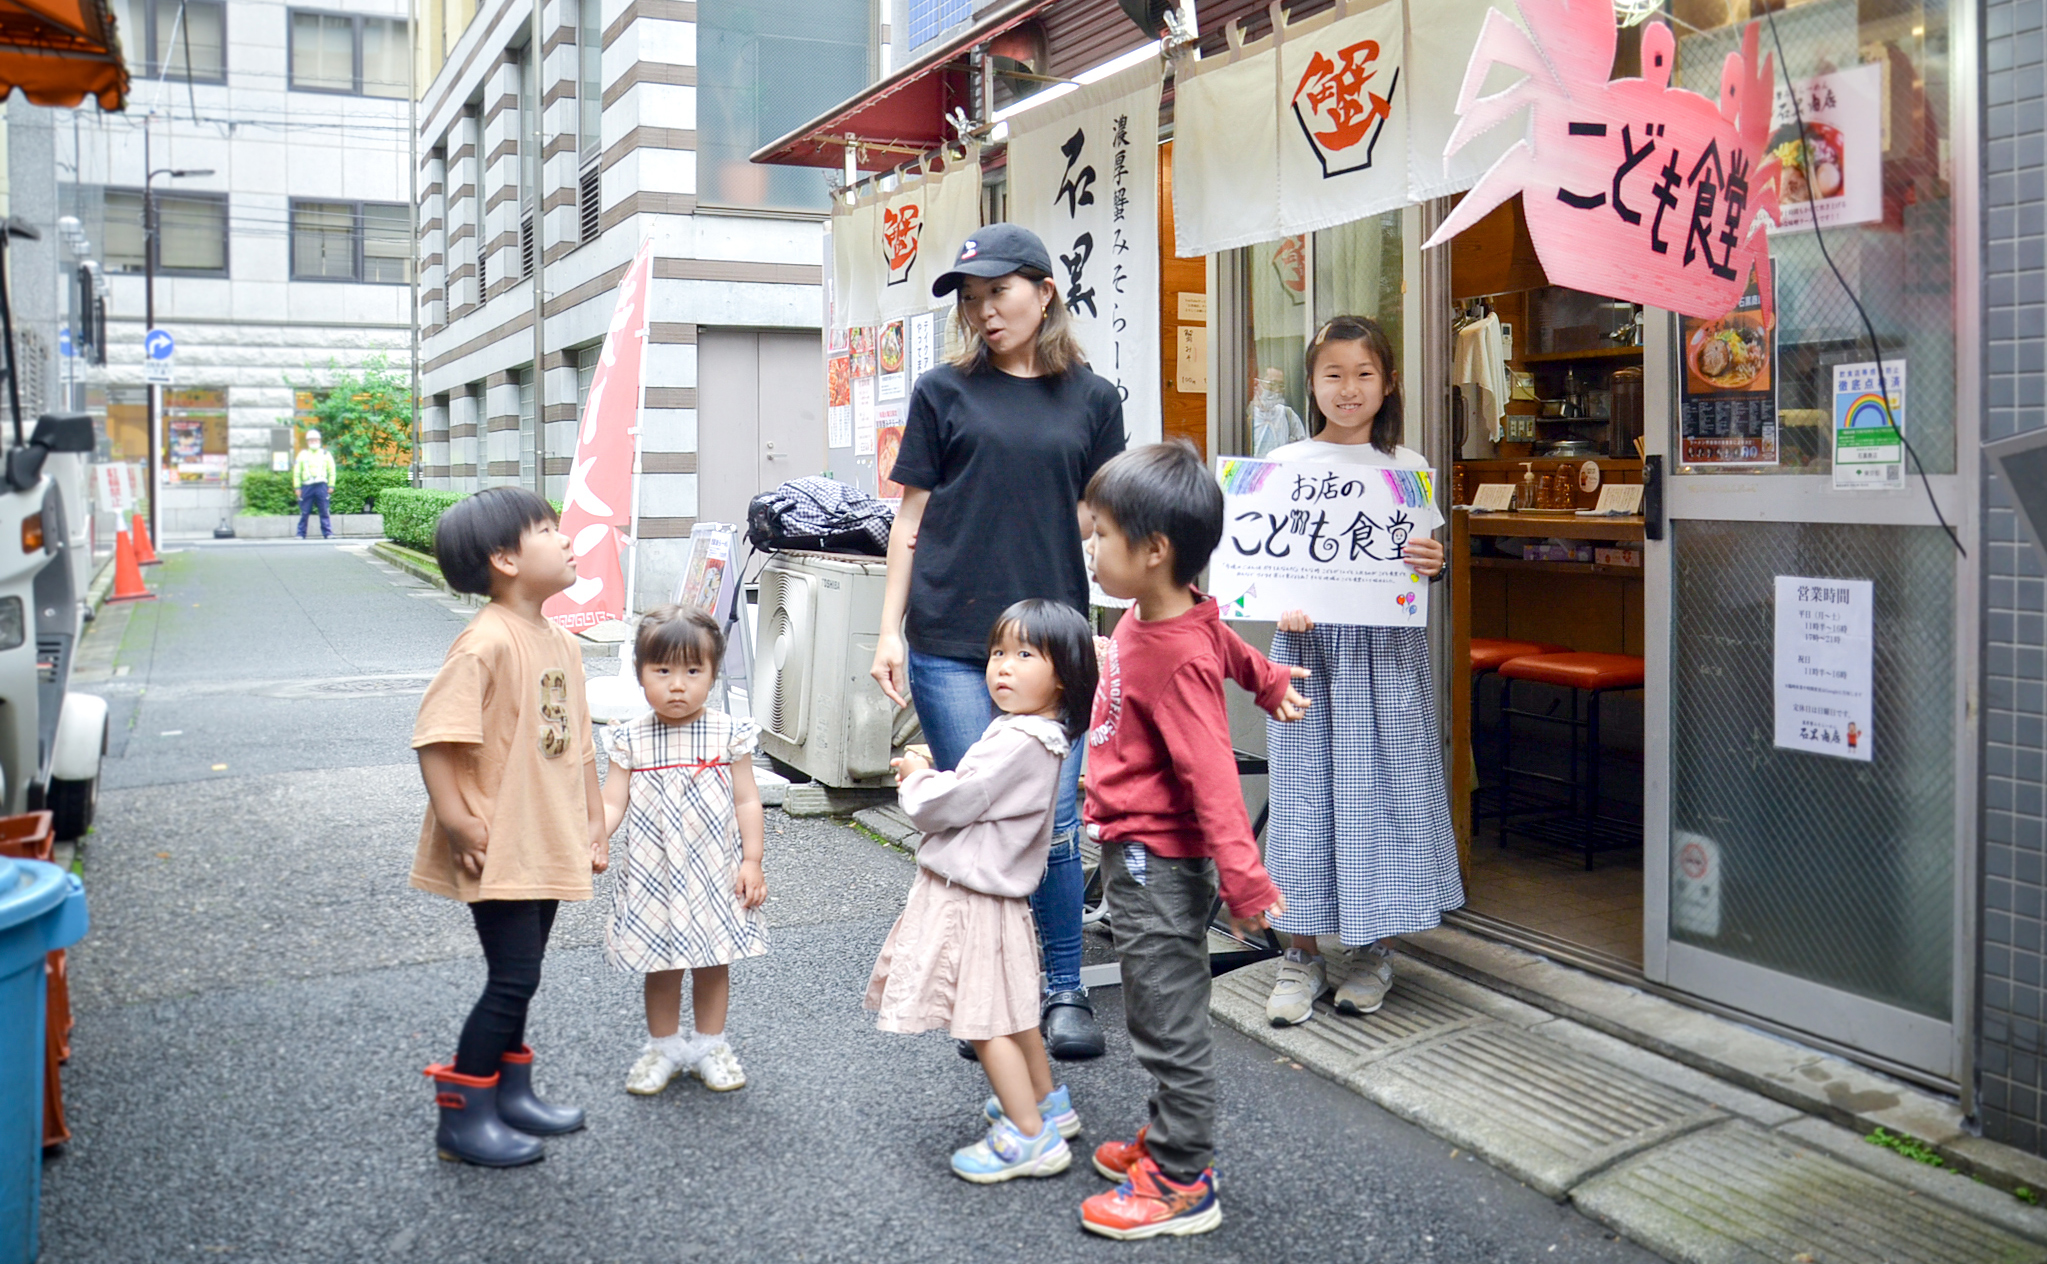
1869	446
1632	188
1328	540
1825	637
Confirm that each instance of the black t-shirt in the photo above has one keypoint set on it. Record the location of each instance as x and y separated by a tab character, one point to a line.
1005	460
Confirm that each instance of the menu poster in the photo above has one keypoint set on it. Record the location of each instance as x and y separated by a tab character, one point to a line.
1727	409
860	338
890	355
1835	172
1825	637
1869	446
863	417
888	444
923	344
839	399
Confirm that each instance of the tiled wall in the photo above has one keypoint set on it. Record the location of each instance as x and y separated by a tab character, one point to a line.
2012	1075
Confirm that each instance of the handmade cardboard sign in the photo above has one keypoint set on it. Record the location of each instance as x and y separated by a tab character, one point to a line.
1327	539
1632	188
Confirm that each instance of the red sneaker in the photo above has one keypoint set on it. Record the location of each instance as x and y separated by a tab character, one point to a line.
1147	1205
1114	1159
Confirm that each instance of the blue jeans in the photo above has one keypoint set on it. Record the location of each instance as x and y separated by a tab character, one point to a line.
314	496
953	705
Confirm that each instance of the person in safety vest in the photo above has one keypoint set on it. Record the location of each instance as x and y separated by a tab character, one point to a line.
312	474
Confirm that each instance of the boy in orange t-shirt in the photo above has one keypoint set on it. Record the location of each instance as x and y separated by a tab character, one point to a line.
514	821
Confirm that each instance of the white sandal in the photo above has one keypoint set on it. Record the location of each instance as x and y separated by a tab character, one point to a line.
719	1069
652	1072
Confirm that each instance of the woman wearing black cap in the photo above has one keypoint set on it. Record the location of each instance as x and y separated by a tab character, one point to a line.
999	444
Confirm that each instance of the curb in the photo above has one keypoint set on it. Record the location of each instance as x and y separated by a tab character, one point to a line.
1813	1082
421	567
102	584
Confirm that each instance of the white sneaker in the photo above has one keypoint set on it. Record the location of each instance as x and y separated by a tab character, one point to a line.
1371	977
1298	981
719	1069
652	1072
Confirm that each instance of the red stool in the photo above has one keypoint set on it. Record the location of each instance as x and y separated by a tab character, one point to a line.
1488	656
1582	673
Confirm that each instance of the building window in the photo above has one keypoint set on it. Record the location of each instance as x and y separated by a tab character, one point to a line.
351	241
930	18
765	68
338	52
191	233
590	79
180	41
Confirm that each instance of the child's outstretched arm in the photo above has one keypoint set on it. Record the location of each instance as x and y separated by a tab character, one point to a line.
600	817
1265	680
752	887
468	836
617	792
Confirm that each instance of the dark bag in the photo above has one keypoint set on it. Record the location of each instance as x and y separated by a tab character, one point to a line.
819	515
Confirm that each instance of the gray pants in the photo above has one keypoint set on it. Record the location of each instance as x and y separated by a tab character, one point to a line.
1161	930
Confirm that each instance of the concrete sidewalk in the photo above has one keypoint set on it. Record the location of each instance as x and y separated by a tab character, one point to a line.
1698	1167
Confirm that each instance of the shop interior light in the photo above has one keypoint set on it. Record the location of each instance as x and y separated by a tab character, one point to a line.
999	130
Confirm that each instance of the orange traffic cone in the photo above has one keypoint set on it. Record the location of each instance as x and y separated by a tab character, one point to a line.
127	575
145	552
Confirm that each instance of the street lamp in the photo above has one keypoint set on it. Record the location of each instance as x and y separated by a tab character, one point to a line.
149	315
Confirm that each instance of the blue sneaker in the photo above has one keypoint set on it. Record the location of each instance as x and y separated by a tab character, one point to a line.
1005	1154
1057	1108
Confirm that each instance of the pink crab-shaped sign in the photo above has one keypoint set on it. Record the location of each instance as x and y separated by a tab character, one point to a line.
1632	188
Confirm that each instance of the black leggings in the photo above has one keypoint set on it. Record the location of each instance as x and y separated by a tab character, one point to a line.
514	935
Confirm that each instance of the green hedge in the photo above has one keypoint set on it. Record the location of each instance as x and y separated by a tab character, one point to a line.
355	491
411	512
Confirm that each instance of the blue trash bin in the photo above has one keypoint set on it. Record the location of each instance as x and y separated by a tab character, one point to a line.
41	908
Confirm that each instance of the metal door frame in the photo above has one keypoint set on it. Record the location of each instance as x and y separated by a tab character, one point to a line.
1941	1048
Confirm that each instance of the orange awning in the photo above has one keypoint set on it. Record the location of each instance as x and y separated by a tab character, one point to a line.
59	52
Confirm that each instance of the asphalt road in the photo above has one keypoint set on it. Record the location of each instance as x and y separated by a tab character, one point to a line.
260	990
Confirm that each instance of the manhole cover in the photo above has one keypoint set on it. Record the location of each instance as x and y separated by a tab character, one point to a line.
350	686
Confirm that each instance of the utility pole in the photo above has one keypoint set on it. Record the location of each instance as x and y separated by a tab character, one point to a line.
150	237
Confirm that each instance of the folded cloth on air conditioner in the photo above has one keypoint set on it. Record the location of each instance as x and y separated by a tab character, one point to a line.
819	515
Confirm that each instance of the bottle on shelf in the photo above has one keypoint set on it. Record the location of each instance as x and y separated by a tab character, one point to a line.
1531	487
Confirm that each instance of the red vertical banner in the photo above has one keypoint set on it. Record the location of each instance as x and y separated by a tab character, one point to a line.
597	509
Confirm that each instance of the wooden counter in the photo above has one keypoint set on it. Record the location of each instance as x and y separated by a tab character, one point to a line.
1585	605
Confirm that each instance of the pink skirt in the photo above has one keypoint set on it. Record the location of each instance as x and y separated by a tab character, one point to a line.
957	959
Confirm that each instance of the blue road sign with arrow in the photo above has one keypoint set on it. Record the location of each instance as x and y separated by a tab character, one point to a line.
157	349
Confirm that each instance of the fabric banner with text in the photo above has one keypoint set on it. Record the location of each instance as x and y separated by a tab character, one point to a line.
1437	50
597	508
1300	535
1288	135
918	230
1083	175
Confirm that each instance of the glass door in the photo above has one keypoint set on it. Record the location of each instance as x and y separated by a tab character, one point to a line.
1816	877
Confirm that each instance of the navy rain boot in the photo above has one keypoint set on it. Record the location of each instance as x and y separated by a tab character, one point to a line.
470	1130
519	1107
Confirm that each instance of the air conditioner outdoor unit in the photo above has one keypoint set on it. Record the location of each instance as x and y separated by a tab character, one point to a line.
819	711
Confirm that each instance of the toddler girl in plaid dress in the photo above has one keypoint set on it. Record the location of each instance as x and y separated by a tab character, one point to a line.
688	891
1360	839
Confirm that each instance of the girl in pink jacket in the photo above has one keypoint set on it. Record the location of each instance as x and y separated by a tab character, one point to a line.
964	954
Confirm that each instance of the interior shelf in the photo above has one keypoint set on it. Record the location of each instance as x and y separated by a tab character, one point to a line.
1599	353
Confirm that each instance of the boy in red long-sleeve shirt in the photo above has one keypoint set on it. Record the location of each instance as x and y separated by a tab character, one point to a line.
1162	799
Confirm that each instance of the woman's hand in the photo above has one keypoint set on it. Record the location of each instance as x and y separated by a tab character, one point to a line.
909	762
1297	621
752	887
1294	705
1423	554
891	668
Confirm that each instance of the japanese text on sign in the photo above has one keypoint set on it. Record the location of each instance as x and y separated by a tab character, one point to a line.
1823	679
1332	542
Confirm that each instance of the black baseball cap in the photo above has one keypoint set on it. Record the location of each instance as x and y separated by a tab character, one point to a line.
994	250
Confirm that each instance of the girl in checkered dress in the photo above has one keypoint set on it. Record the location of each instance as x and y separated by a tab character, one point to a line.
688	888
1360	839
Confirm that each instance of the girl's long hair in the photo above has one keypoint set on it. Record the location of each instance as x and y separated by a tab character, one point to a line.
1062	634
1057	349
1391	422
